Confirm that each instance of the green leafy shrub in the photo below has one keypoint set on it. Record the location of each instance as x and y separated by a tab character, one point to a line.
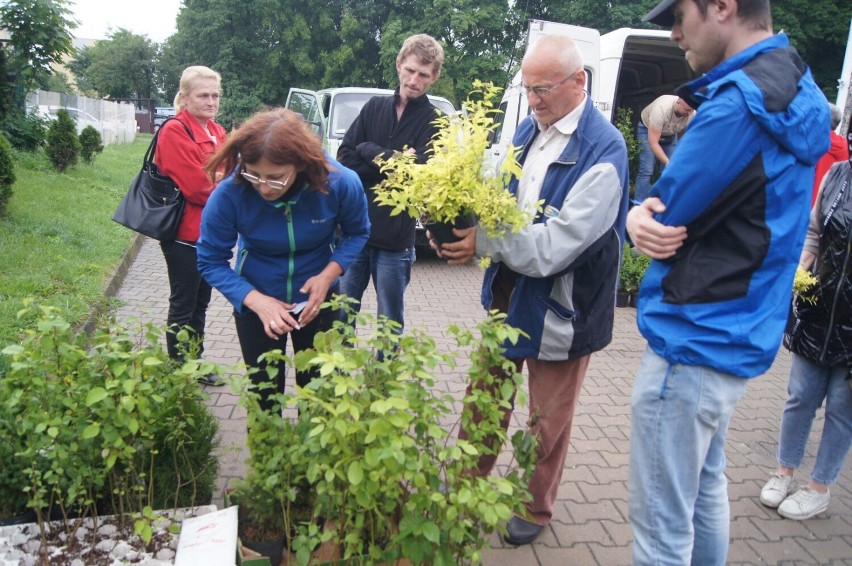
90	144
368	445
7	174
633	267
105	425
25	132
63	146
624	123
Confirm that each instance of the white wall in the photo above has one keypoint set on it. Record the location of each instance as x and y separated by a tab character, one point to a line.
115	121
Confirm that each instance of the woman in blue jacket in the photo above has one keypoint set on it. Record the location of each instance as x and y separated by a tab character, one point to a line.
286	200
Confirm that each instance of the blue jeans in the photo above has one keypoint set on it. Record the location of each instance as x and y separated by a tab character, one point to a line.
678	493
810	384
647	161
391	273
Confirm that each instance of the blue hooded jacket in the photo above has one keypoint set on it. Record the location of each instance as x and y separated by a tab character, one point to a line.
283	243
740	182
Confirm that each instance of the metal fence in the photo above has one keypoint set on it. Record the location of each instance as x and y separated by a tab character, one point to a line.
115	121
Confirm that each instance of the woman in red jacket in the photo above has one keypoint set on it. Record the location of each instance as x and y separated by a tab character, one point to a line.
183	148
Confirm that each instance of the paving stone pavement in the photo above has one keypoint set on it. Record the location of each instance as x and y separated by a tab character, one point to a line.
590	524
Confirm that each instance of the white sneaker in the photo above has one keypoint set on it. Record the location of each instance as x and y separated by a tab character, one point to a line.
804	504
776	490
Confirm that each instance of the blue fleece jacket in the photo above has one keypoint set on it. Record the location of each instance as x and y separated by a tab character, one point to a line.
283	243
740	182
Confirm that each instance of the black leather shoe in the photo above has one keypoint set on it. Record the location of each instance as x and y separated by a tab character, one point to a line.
520	531
212	380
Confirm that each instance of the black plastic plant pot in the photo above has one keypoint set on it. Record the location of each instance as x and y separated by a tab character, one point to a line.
28	516
442	232
273	550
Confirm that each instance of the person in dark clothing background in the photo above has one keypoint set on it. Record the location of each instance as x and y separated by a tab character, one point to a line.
819	338
403	122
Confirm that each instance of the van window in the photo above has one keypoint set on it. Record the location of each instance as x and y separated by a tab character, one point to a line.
306	105
444	106
345	109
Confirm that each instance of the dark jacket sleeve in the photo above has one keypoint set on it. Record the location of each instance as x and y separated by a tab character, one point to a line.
350	154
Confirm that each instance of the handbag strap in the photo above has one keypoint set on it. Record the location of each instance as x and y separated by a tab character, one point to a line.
152	147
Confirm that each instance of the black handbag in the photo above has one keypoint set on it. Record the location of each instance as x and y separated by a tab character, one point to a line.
153	205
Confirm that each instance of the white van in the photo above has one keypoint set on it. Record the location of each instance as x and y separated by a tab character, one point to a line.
626	68
332	110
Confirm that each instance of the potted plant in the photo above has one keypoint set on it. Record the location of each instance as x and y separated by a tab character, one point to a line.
633	267
386	480
457	185
102	425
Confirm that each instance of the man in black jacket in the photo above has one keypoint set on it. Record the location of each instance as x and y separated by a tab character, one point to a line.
387	125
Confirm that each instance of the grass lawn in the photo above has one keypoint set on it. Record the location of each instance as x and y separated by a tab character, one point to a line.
58	243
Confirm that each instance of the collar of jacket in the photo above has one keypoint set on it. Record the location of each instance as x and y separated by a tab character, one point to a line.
414	102
571	153
694	92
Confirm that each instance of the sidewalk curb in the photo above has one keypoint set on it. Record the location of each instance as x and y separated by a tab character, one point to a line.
114	284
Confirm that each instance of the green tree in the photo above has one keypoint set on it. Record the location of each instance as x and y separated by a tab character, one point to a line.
63	146
121	66
818	29
478	38
90	144
7	174
40	33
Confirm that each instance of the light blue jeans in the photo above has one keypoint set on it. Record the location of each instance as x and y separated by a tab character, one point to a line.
810	384
391	273
678	493
647	161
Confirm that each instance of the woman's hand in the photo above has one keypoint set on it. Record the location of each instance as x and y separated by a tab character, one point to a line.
272	313
317	290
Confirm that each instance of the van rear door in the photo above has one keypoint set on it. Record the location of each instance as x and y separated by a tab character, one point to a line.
307	103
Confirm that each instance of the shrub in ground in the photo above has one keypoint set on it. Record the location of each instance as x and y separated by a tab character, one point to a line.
7	174
90	144
63	146
24	131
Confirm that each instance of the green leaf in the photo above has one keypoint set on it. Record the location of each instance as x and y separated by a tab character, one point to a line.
355	474
91	431
432	532
96	395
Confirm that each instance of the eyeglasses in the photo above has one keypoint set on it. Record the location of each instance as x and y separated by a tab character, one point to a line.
274	185
543	92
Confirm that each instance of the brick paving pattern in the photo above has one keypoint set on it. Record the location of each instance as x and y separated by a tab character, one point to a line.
590	524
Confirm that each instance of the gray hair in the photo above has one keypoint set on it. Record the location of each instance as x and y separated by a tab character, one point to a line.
568	55
836	116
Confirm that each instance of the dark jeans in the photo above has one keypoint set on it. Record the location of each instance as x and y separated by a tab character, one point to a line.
254	342
189	296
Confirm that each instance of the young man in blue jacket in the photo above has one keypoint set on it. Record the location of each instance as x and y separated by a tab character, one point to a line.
725	225
556	278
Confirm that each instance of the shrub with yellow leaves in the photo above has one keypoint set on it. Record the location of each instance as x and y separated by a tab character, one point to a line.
457	180
803	285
